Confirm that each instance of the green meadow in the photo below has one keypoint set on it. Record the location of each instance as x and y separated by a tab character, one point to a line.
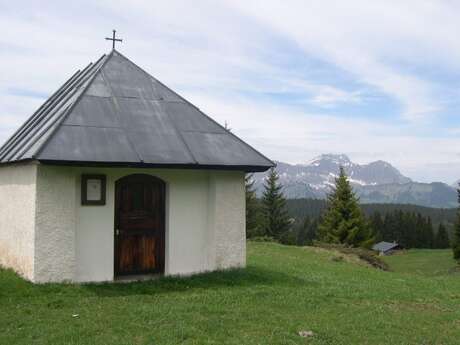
282	291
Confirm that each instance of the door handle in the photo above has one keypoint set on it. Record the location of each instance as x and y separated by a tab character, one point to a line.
117	232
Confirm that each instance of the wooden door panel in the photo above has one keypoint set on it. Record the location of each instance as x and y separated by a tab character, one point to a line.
127	254
139	225
137	254
128	224
147	257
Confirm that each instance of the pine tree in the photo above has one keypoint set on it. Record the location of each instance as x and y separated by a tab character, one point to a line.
426	234
442	238
302	232
420	224
398	220
312	233
306	233
276	218
377	225
389	225
252	209
456	240
344	222
429	233
411	230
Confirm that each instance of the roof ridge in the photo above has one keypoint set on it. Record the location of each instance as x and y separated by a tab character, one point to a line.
101	61
130	143
37	113
130	117
39	119
199	110
172	122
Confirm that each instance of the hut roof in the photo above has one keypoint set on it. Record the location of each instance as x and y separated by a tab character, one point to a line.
114	113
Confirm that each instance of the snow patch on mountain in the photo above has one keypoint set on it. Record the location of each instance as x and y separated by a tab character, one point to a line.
377	181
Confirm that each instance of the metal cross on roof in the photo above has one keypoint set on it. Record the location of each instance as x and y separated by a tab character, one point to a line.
113	39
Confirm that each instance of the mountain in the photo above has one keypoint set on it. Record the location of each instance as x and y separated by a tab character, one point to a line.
376	182
435	194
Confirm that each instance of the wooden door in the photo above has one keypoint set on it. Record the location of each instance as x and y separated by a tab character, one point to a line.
139	225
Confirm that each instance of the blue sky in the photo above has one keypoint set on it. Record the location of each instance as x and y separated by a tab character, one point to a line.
372	79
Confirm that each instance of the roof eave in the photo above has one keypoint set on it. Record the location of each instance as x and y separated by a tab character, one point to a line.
245	168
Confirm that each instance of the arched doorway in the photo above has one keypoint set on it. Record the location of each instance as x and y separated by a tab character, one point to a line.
139	225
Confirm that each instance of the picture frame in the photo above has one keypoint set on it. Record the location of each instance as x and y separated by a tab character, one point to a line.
93	189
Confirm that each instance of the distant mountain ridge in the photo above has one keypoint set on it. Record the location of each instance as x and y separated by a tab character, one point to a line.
376	182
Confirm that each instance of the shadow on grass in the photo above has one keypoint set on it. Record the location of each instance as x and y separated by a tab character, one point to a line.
250	276
455	270
13	286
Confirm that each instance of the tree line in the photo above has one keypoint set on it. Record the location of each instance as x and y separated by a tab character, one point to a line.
456	240
313	208
340	219
409	230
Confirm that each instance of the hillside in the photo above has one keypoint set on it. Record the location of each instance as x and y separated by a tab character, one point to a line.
376	182
283	291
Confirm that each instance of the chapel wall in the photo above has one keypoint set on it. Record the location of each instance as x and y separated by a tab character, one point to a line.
55	224
17	206
228	224
187	244
205	223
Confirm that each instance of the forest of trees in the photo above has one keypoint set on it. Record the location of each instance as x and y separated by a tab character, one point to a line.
301	208
303	221
410	230
456	232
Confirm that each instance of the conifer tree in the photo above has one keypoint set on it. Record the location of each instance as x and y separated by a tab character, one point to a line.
252	208
344	222
276	218
390	226
302	232
377	225
456	240
428	234
312	232
442	238
306	232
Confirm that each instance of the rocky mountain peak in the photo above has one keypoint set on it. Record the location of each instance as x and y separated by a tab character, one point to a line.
330	158
377	181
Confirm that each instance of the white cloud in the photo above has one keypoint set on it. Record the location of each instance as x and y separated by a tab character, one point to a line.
285	134
226	57
329	96
373	40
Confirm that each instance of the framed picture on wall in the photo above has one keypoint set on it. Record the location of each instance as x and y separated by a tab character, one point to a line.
93	189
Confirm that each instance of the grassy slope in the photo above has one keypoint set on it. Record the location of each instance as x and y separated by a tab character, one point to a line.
283	290
427	262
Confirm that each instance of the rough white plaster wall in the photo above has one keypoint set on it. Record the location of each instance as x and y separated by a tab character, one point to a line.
186	224
17	221
55	224
187	233
204	211
227	210
94	235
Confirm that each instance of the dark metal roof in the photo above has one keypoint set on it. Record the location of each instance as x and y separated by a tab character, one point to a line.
384	246
114	113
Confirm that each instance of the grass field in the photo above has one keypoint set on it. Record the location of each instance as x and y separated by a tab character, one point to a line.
284	290
426	262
